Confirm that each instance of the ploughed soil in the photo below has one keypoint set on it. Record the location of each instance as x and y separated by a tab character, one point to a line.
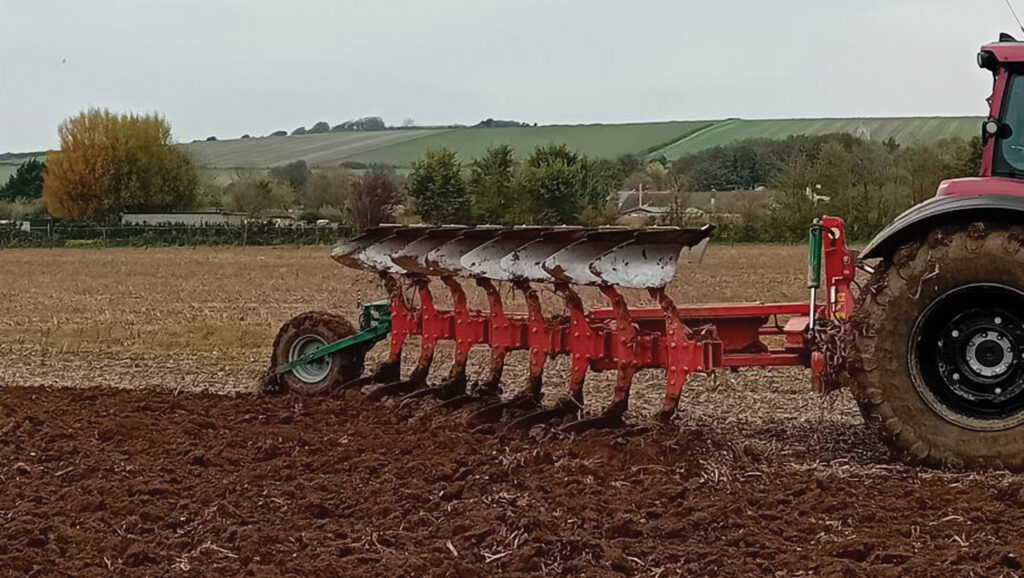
101	481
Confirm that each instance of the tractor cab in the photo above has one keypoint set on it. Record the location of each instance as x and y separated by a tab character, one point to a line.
996	195
1003	130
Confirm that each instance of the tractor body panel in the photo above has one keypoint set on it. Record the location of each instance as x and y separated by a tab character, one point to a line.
948	209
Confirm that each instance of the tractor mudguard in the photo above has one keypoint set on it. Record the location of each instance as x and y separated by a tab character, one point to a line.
943	210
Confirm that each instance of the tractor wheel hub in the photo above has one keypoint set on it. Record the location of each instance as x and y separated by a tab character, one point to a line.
989	353
966	356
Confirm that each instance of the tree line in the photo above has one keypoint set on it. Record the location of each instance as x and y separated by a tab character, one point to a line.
865	182
552	186
112	163
376	123
361	200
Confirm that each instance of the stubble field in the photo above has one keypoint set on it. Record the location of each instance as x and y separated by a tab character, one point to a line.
133	439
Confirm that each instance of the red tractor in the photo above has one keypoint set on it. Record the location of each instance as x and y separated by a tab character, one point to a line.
941	322
932	345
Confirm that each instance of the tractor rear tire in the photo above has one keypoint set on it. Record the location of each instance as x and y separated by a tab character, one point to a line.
934	373
308	332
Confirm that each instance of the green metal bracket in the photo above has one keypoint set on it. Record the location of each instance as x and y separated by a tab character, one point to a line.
374	325
814	258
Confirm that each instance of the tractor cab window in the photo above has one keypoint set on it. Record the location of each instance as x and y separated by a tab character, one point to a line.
1010	151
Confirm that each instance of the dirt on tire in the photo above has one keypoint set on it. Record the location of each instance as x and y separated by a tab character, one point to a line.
887	311
101	481
330	327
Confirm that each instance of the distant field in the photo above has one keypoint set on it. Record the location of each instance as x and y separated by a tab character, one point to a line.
5	172
400	148
9	166
598	140
315	149
904	130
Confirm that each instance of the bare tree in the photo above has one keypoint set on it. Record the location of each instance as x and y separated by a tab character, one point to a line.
330	188
253	196
373	199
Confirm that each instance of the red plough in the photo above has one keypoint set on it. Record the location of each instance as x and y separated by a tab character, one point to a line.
681	340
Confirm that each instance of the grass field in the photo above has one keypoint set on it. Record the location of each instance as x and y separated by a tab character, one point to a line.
400	148
668	139
315	149
598	140
9	166
904	130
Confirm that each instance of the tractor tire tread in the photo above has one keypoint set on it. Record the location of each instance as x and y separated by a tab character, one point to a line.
886	311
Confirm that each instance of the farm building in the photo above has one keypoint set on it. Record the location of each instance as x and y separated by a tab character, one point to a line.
190	218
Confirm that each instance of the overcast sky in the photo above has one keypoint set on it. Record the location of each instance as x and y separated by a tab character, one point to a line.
228	67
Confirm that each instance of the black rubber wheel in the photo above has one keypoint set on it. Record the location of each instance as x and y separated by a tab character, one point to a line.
939	333
306	333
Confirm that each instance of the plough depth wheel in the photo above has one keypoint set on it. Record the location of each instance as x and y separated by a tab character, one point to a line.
305	334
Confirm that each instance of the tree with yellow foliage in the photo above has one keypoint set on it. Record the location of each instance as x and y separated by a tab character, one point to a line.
111	163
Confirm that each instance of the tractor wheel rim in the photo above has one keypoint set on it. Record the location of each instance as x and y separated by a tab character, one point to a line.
967	356
315	371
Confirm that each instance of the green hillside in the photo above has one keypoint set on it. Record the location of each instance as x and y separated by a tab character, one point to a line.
10	162
904	130
6	171
598	140
400	148
316	149
403	147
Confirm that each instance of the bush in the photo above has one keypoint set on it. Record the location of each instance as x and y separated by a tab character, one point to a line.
492	123
365	124
436	185
320	128
374	198
552	185
330	188
254	196
295	174
21	210
490	185
91	234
